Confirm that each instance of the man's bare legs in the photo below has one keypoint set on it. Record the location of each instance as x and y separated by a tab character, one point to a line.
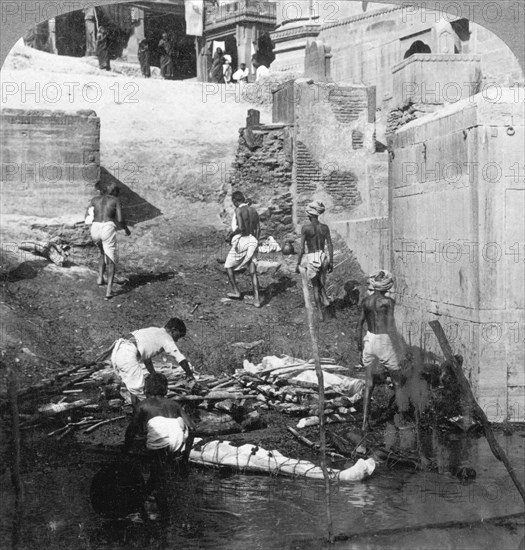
101	265
369	388
317	297
255	284
231	277
111	277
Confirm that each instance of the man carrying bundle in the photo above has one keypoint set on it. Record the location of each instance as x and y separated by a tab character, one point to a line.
316	236
379	345
167	428
131	357
244	240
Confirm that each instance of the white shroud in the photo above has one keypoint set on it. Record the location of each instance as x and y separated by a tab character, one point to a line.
257	459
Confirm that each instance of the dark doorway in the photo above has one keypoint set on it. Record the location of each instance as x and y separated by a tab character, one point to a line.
230	45
417	47
185	59
71	34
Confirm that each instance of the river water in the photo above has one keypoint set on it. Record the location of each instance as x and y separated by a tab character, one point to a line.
213	509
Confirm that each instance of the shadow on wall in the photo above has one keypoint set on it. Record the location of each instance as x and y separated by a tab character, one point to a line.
135	208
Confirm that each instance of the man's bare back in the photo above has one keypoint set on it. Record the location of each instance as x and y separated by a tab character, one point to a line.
316	235
378	311
106	209
248	221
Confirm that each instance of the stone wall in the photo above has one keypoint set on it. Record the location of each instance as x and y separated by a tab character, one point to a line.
367	44
263	172
458	241
50	161
335	161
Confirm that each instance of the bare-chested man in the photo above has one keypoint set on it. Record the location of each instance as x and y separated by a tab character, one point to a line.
107	217
379	345
168	431
244	240
316	236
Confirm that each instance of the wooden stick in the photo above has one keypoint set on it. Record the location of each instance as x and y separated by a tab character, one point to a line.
78	379
46	384
95	426
465	388
211	397
320	379
309	443
15	467
80	423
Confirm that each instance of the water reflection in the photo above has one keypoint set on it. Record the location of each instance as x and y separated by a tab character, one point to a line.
210	509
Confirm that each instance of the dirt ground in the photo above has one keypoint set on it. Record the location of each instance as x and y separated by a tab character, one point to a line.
180	146
172	265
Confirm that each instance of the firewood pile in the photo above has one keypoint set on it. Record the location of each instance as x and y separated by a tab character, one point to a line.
84	398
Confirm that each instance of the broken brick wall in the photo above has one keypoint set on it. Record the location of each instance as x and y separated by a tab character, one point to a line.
50	161
262	171
336	162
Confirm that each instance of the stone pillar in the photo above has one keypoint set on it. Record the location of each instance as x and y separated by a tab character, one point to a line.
91	33
52	36
445	38
201	60
245	35
132	48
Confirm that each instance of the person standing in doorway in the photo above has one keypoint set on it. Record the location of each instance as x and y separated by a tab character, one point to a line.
144	60
103	49
167	52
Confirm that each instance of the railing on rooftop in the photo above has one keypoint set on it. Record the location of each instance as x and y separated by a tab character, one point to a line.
242	8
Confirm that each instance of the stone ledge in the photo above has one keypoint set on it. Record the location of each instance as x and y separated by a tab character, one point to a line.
437	57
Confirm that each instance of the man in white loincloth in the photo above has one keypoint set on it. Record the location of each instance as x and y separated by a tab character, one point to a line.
315	236
107	217
168	431
244	240
380	344
132	357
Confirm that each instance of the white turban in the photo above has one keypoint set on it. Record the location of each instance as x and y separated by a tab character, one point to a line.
381	280
315	208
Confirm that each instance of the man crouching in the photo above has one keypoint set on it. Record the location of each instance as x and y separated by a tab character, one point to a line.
168	431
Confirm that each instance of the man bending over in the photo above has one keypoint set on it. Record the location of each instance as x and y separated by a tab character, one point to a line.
132	357
244	240
316	236
167	428
379	344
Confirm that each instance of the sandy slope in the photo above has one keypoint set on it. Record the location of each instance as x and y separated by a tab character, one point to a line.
172	143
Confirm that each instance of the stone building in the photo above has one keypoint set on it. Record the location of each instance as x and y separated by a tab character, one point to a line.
236	25
411	131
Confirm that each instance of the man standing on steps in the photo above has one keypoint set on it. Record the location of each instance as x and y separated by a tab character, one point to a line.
315	236
379	345
244	240
107	217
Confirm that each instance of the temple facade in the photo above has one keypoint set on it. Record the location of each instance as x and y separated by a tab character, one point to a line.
235	26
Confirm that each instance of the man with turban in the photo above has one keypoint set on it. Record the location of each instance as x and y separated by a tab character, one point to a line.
379	345
316	236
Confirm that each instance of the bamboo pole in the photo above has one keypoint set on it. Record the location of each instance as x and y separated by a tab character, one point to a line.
465	388
12	390
320	379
